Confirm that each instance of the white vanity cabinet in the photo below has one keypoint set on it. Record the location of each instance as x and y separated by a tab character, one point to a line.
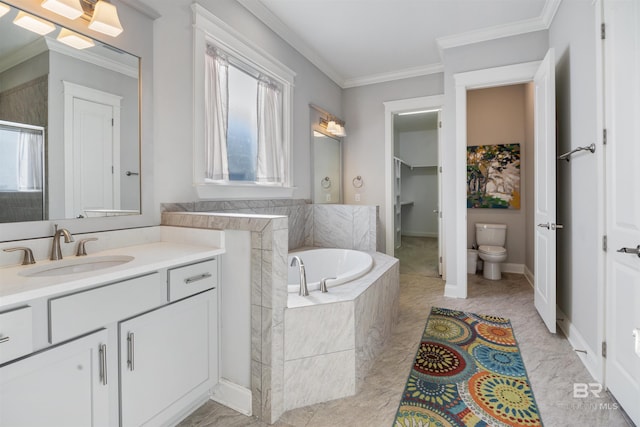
142	350
165	359
65	385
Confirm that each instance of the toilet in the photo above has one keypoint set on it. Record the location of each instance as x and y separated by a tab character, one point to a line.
491	239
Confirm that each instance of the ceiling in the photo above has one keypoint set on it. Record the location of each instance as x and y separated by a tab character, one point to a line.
357	42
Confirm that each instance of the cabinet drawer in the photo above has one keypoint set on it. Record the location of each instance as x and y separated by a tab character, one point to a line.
191	279
75	314
15	333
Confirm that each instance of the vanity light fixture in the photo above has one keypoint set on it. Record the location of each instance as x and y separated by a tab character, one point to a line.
105	18
333	126
74	40
32	23
68	8
4	9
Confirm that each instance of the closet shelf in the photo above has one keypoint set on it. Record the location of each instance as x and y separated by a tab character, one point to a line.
407	203
409	165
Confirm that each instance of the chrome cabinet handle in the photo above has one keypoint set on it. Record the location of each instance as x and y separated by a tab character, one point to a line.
130	351
103	363
635	251
4	339
197	278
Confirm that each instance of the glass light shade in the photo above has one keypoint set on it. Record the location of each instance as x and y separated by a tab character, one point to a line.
340	131
332	127
74	40
4	9
31	23
105	19
68	8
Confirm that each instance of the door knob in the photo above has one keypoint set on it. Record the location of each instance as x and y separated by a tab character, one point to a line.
635	251
557	226
547	226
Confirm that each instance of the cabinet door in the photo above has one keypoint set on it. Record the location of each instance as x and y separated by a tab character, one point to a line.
167	360
62	386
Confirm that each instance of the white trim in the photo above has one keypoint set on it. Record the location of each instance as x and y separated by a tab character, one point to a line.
265	15
393	75
420	233
74	91
228	191
530	277
391	108
208	28
591	359
525	26
508	267
491	77
233	395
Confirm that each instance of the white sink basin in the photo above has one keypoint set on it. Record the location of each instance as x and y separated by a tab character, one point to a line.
76	265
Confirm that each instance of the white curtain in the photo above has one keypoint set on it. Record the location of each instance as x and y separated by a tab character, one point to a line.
30	161
216	114
271	161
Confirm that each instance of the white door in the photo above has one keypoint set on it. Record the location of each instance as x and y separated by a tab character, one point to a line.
93	154
165	356
62	386
441	270
545	191
622	109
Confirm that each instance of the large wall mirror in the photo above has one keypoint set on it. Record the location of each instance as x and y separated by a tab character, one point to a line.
69	128
326	159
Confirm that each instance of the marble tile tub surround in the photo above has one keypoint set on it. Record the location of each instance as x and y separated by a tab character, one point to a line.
332	339
269	249
334	226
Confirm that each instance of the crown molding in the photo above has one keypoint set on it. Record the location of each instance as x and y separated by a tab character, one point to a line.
542	22
265	15
393	75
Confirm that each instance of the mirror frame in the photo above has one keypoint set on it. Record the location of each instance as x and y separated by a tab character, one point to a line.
137	39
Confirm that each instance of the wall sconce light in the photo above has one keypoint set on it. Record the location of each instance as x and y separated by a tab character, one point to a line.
4	9
34	24
104	18
333	126
70	9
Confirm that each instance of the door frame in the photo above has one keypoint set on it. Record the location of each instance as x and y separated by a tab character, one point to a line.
391	108
71	92
480	79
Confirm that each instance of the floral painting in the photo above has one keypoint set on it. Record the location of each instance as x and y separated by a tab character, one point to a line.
493	176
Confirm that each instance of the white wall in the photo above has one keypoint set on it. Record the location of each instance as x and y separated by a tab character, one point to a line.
173	57
580	264
497	116
363	148
419	185
494	53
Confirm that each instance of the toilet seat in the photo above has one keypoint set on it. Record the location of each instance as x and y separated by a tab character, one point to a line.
492	250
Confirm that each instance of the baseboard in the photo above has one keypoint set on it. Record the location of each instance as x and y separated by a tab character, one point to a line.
512	268
530	277
419	233
453	291
233	395
591	359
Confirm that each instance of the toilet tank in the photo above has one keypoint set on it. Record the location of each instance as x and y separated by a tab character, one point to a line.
491	234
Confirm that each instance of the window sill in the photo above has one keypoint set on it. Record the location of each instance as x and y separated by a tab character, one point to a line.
226	191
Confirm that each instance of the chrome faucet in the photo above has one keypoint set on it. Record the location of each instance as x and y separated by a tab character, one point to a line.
303	276
56	252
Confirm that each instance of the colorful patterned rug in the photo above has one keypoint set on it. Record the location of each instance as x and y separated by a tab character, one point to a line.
467	372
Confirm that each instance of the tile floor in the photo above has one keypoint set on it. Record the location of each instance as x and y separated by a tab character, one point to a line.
552	365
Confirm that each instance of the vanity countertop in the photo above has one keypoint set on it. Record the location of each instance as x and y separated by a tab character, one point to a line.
15	289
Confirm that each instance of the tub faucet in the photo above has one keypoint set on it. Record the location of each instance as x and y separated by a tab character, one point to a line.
303	276
323	284
56	252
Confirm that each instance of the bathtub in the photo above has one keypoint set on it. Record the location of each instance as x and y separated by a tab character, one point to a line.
343	264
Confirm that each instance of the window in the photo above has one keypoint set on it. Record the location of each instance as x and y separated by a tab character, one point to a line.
242	115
